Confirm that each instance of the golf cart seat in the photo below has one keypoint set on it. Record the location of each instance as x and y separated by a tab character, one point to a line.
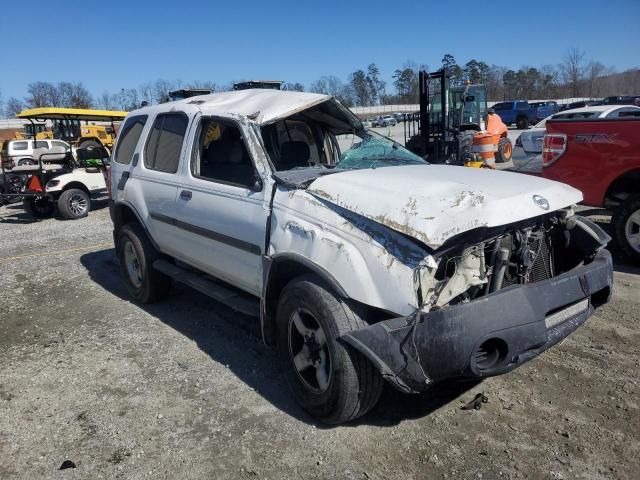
52	159
50	155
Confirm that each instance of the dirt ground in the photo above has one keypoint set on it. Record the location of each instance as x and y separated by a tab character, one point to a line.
184	389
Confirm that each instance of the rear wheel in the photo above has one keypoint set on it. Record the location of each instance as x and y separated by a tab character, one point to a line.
626	222
26	161
39	207
74	204
522	123
89	144
505	150
136	255
329	379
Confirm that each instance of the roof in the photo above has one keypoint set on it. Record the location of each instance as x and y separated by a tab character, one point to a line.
597	109
262	105
73	113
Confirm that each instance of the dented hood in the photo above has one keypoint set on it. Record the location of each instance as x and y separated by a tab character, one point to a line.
266	106
432	203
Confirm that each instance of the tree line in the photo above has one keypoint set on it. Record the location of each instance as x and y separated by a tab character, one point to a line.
575	76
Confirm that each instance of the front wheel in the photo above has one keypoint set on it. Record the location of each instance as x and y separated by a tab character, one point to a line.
74	204
522	123
505	150
626	222
26	161
329	379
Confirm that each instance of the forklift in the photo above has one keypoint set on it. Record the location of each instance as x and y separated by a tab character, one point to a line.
453	121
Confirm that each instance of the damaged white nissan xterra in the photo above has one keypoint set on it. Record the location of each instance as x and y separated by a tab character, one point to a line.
362	265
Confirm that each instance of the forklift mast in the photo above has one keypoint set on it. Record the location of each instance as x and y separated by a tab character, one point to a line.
445	112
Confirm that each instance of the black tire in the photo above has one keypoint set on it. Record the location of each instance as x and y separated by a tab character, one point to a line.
26	161
354	385
465	145
522	123
74	204
38	207
626	220
151	285
89	144
505	150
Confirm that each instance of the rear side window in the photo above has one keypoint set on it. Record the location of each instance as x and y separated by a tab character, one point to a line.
20	145
129	139
501	106
162	151
522	106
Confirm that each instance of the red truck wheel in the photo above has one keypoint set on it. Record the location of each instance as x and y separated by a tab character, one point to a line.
626	222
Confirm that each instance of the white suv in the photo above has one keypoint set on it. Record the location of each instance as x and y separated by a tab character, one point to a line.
20	152
363	265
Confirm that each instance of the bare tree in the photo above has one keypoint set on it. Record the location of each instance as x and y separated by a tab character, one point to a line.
573	70
107	101
161	89
595	70
293	87
145	93
40	95
14	107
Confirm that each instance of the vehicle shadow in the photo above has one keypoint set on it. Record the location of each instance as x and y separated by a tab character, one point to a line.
18	215
233	339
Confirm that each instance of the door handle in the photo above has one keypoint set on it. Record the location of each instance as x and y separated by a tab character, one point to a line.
186	194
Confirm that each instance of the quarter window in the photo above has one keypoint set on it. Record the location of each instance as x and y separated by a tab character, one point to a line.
162	151
20	145
129	139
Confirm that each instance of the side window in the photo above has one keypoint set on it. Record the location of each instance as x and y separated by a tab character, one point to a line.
162	151
42	144
499	106
522	106
129	139
58	143
20	145
220	154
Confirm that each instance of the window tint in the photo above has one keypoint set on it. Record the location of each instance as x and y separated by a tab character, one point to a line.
221	155
165	142
42	144
501	106
20	145
129	139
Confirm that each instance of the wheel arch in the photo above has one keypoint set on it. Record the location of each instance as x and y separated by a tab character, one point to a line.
123	213
77	185
278	270
622	187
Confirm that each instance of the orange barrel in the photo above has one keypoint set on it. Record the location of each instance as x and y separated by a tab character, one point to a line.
485	145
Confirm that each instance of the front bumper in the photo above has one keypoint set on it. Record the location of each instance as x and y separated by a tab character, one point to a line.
508	327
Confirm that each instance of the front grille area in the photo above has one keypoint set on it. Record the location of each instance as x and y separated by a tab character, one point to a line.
542	268
540	251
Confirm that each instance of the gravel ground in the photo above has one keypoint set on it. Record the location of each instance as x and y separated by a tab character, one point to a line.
185	389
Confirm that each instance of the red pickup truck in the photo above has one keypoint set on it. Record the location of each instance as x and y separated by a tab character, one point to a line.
600	157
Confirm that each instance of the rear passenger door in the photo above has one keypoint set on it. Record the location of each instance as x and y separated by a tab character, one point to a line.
155	177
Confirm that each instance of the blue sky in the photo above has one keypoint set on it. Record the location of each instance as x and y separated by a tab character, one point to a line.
136	41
